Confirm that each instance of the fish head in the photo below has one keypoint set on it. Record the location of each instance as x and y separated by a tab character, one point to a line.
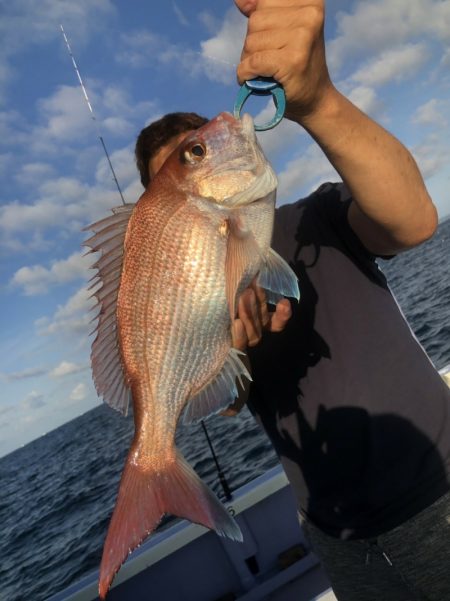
222	162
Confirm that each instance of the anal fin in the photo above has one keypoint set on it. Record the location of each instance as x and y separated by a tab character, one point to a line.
220	392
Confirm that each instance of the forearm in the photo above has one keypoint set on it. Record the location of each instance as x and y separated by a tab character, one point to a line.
394	210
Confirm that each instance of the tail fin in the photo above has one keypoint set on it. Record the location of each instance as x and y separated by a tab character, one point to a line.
144	497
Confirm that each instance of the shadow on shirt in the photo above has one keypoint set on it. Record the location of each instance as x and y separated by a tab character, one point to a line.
358	472
356	487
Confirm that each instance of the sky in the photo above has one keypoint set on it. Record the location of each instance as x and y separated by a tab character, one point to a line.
140	60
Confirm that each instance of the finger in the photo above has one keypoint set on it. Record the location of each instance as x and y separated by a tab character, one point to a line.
285	18
295	31
239	335
261	305
249	315
266	64
282	4
246	6
291	59
281	316
299	28
264	40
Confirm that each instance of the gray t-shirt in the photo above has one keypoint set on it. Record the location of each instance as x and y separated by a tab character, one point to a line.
355	410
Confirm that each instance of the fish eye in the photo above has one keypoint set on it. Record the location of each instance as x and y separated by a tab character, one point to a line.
194	153
198	150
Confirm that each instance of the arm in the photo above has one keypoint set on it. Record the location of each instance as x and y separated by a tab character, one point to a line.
392	210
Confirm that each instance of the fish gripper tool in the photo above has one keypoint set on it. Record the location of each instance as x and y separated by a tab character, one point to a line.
262	86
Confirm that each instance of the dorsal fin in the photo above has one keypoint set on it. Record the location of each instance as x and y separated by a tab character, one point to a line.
107	370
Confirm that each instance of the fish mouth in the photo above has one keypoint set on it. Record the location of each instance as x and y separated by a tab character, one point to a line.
244	123
248	125
251	164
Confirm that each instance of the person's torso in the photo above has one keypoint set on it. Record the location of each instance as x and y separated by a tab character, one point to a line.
351	402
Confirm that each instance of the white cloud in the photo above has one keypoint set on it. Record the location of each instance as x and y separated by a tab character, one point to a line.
16	217
33	400
65	114
38	279
136	47
275	140
26	23
116	101
375	26
54	207
432	155
33	173
432	113
392	65
40	21
59	201
66	368
64	205
305	172
224	49
365	98
124	167
12	129
209	20
78	393
217	58
72	318
25	374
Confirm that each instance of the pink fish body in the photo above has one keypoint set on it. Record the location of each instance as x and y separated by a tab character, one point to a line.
171	271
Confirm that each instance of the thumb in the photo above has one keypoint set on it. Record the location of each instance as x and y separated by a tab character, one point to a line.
246	6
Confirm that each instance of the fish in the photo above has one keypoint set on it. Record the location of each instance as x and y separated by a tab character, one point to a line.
168	280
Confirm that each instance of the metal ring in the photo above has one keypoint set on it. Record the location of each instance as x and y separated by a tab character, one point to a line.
262	87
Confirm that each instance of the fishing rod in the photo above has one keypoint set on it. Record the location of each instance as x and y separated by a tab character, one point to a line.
223	480
86	97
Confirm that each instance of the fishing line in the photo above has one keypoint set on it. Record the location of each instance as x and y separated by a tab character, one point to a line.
86	97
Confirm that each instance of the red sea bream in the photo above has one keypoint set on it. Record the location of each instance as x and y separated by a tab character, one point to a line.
169	276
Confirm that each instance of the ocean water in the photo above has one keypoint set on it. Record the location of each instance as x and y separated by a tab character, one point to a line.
57	493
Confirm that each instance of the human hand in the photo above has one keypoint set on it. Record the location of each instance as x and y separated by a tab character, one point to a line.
254	317
285	40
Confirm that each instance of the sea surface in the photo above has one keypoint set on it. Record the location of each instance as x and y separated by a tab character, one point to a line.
57	493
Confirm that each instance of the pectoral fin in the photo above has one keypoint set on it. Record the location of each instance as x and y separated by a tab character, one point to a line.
242	260
277	278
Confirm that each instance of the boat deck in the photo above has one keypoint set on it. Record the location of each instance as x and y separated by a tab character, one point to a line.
186	562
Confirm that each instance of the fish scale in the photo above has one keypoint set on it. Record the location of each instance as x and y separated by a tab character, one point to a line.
171	271
174	296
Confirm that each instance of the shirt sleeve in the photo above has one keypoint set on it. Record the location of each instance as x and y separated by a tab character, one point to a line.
333	202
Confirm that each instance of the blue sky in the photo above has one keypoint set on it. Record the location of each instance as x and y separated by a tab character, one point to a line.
140	60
